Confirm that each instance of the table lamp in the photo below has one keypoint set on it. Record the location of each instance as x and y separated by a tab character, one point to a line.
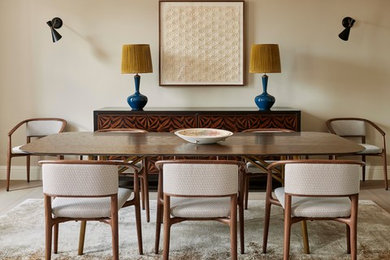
265	58
136	59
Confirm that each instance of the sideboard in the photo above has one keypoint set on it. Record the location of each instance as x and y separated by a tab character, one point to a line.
168	119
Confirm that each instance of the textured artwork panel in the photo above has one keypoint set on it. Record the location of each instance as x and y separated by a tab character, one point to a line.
201	43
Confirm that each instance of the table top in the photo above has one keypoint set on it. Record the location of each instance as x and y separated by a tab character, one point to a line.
163	143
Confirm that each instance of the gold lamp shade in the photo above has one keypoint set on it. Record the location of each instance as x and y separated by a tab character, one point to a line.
265	58
136	58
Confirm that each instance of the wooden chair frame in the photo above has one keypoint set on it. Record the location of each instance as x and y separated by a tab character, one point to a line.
351	221
51	222
163	208
363	140
10	155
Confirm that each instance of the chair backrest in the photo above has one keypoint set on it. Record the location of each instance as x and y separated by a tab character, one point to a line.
327	178
347	127
79	178
200	178
44	126
268	130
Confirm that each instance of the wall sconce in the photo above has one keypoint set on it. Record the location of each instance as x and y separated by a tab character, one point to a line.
347	23
54	24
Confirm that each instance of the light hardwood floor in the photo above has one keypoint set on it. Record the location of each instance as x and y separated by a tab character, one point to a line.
21	190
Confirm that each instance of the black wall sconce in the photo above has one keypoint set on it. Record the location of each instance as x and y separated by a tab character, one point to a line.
54	24
347	23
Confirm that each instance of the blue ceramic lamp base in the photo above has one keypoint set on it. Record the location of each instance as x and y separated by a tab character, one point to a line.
264	101
137	101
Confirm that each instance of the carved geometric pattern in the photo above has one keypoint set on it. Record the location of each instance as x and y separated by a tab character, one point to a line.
159	123
243	122
106	121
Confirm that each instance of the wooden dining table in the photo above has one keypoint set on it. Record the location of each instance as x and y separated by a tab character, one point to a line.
168	144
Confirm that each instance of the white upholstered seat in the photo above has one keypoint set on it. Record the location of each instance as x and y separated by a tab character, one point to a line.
200	207
86	191
316	190
199	190
34	127
87	207
325	207
357	128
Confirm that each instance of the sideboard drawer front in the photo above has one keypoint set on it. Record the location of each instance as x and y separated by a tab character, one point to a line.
119	121
238	123
167	123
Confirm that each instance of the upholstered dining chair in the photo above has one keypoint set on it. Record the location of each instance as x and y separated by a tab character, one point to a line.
34	127
316	190
252	170
357	128
86	191
139	163
199	190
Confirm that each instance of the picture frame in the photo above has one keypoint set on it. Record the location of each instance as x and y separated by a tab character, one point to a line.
201	43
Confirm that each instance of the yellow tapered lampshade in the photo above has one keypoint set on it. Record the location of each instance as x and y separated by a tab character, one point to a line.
136	58
265	58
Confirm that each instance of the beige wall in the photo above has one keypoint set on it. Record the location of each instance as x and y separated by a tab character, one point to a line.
321	75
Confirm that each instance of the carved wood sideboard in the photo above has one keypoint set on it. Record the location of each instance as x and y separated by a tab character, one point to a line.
168	119
165	120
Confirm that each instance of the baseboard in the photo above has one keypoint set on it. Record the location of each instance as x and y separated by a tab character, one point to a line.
19	173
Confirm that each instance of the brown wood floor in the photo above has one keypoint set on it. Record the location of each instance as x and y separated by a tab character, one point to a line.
21	190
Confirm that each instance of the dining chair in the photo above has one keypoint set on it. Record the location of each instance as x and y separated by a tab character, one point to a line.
34	127
139	163
199	190
86	191
253	170
357	128
316	190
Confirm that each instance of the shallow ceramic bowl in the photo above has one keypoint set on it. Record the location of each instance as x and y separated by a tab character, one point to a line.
203	135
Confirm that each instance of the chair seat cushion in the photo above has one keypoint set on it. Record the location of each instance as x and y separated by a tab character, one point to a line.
87	207
317	207
200	207
17	150
370	149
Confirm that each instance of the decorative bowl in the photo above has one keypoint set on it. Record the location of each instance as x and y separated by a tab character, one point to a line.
203	135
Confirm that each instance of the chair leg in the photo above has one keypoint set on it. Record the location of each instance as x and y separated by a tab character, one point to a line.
8	170
348	232
233	227
48	227
353	226
114	227
241	222
266	224
55	242
138	225
142	191
158	227
28	167
146	195
364	168
167	227
83	226
385	171
246	190
287	227
305	237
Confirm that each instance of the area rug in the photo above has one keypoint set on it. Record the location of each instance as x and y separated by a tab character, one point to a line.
22	236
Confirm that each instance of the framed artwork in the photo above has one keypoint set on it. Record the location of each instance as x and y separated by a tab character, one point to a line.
201	43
